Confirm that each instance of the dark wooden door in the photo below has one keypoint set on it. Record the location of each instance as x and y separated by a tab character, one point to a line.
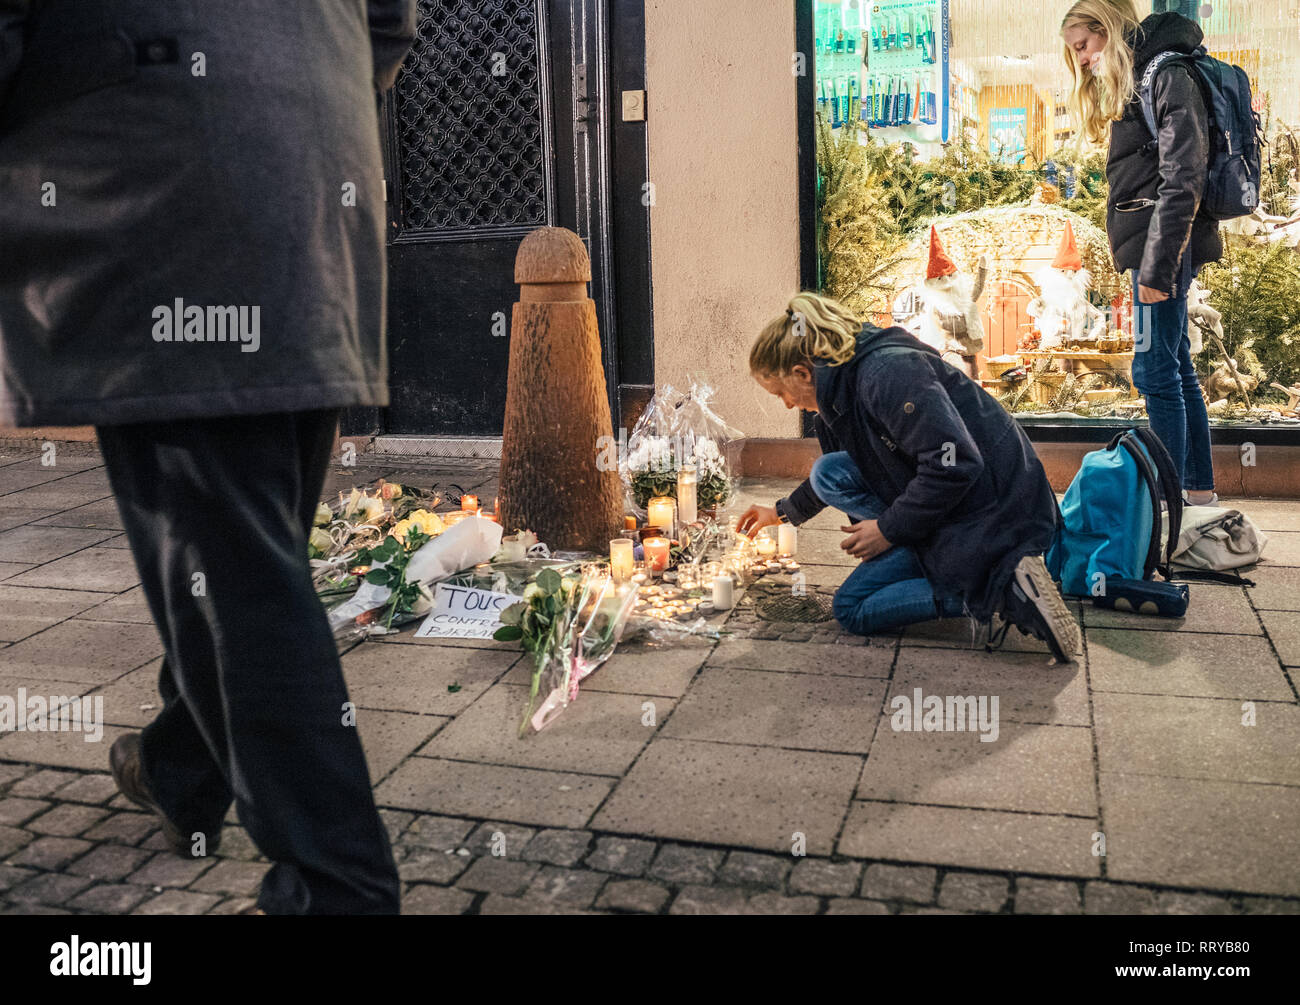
495	127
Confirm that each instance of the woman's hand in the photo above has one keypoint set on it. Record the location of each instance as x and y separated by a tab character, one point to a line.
756	518
1147	295
865	540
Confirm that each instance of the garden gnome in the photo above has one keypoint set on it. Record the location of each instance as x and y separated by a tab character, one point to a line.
951	321
557	407
1062	310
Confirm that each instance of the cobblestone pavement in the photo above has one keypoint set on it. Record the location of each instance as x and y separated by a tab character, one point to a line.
684	779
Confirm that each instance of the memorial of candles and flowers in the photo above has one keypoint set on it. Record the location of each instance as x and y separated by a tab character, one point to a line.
392	556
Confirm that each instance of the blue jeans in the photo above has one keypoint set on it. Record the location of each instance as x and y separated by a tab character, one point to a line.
890	590
1163	372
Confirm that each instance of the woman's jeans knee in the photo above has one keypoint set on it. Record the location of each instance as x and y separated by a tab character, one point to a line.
1163	372
890	590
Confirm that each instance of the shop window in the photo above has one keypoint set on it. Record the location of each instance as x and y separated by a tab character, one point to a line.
952	115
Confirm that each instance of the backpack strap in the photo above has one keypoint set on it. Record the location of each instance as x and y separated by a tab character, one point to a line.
1146	88
1129	442
1171	485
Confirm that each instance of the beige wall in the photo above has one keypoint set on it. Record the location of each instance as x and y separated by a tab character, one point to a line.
720	109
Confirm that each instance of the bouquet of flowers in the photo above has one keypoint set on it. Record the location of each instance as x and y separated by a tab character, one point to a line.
570	620
678	429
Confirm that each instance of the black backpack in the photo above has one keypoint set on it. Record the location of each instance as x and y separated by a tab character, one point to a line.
1232	181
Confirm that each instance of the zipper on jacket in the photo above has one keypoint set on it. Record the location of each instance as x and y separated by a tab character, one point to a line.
1134	205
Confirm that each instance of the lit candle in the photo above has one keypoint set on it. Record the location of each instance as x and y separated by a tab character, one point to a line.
629	523
469	504
766	547
620	559
686	486
454	517
786	538
659	513
722	593
656	553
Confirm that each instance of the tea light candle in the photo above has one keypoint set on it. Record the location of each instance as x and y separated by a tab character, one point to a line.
656	553
620	559
723	596
469	504
686	486
659	513
629	523
773	566
639	578
766	546
786	538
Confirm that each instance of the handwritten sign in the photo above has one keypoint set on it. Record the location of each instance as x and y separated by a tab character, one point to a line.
460	612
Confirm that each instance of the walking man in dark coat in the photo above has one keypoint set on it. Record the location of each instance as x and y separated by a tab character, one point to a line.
192	260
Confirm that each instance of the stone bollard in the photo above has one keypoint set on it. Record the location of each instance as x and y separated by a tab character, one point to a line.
557	408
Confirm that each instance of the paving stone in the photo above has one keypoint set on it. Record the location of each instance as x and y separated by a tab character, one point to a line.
178	902
166	869
415	678
11	839
66	820
388	738
747	868
575	887
111	898
1047	896
48	888
42	783
51	853
28	909
1250	905
12	875
775	709
846	905
1028	689
93	789
498	875
35	544
968	891
107	570
1284	633
909	909
733	794
425	899
13	811
1180	663
234	905
428	865
109	862
710	900
235	843
63	749
802	657
971	839
631	670
1175	902
499	840
1223	611
1276	588
828	879
496	903
395	822
1117	898
625	856
882	881
680	865
440	833
233	878
126	828
10	773
637	895
774	903
558	847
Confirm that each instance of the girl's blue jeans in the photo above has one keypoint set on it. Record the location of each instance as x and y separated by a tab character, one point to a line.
1163	372
890	590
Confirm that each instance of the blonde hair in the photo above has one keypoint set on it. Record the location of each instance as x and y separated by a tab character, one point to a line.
1095	102
812	328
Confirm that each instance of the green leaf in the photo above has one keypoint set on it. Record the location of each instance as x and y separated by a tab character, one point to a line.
548	580
453	688
513	615
379	577
508	633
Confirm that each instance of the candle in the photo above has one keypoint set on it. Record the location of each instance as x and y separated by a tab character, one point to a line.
660	513
786	536
620	559
629	523
454	517
766	547
686	486
722	593
656	553
469	504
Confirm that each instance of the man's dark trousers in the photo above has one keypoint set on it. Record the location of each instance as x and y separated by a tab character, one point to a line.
217	512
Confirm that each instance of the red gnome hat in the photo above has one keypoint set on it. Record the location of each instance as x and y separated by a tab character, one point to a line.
940	264
1067	254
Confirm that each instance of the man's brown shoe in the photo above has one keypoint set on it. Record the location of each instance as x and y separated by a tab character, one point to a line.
128	772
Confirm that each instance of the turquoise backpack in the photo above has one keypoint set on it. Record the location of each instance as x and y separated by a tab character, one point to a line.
1109	544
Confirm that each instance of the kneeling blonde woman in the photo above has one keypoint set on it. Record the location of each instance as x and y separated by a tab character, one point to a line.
950	511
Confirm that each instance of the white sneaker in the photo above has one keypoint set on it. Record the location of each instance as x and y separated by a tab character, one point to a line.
1214	500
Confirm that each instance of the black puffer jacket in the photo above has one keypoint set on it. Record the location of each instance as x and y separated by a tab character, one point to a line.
1153	211
960	480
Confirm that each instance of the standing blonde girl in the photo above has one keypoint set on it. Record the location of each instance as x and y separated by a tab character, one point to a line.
1153	216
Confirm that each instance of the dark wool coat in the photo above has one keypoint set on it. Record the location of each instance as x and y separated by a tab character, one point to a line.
960	479
178	233
1153	208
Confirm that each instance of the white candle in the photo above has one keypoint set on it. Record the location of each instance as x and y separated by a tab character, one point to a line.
686	493
766	547
656	553
620	559
786	538
659	513
722	593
